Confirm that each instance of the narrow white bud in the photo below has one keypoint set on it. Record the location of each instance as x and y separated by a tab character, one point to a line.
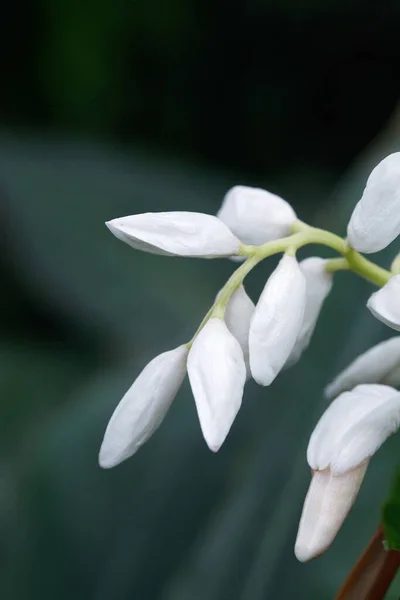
256	216
375	221
176	233
385	303
217	375
327	504
350	431
277	320
238	312
392	378
143	407
318	286
379	364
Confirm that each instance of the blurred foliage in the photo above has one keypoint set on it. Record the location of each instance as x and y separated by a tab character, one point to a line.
391	515
192	97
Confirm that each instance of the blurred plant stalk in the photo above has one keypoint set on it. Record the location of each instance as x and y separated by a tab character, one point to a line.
374	572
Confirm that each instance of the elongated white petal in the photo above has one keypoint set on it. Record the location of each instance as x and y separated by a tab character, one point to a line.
339	420
350	431
176	233
143	407
373	366
256	216
375	222
385	303
393	377
327	504
367	435
318	286
238	313
217	375
277	320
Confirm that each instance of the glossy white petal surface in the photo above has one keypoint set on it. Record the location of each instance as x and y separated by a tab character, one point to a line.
217	375
143	407
327	504
277	320
376	365
256	216
385	303
238	313
318	286
367	435
176	233
330	443
375	222
350	431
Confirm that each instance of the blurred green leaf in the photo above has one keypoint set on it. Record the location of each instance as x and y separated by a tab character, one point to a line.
391	515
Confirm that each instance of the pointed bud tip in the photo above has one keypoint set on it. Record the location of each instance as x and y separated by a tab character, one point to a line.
106	461
305	553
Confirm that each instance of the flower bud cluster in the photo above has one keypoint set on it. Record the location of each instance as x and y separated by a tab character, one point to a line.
239	339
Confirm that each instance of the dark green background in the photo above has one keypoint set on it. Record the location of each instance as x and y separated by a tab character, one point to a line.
111	108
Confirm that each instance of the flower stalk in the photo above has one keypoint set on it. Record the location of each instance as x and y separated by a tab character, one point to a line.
373	573
238	339
301	235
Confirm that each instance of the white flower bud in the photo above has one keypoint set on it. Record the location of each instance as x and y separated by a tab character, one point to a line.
238	312
176	233
217	375
256	216
375	221
379	364
350	431
385	303
318	286
143	407
392	378
327	504
277	320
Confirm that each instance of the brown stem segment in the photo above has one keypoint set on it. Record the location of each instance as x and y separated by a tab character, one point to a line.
372	575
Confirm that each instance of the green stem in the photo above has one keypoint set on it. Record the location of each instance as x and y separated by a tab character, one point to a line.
232	284
367	269
301	235
337	264
395	266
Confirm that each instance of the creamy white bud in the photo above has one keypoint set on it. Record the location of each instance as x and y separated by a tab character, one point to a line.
217	375
392	378
277	320
350	431
318	286
256	216
143	407
331	441
385	303
327	504
176	233
238	312
379	364
375	221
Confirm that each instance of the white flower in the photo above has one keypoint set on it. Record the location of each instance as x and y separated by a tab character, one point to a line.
277	320
385	303
318	286
256	216
176	233
350	431
379	364
217	375
143	407
375	221
238	312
